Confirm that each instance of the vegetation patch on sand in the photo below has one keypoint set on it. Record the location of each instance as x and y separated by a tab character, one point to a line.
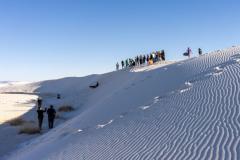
16	121
29	128
66	108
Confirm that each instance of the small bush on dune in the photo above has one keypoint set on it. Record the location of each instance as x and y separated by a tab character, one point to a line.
26	127
16	121
66	108
58	116
29	128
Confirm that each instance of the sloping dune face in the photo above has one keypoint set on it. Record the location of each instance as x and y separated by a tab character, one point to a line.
187	110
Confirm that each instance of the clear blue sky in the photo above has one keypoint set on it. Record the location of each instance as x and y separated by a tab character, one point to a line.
47	39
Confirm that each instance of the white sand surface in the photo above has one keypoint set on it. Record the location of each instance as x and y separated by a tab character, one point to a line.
15	105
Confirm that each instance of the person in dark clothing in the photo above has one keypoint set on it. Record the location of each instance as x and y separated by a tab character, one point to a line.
137	60
144	59
151	57
141	59
39	102
199	51
40	112
158	53
51	116
126	63
163	55
122	64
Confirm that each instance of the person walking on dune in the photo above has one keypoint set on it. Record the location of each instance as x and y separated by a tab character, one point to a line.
40	112
51	116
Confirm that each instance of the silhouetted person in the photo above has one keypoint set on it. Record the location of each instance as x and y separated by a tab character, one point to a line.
144	59
141	59
51	116
40	112
39	102
138	60
117	66
122	64
163	55
199	51
126	63
151	57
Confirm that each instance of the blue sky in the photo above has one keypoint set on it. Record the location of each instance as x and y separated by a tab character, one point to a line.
47	39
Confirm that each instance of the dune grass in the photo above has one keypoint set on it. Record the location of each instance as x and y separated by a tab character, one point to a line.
16	121
25	127
29	128
66	108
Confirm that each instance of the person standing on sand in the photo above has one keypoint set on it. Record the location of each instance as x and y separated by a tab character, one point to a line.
126	63
122	64
189	52
144	59
163	55
39	102
147	59
40	112
199	51
51	116
117	66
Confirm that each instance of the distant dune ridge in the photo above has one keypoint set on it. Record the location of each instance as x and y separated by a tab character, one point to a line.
187	110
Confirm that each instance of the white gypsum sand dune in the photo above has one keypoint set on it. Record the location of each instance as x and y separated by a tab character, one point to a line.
15	105
186	110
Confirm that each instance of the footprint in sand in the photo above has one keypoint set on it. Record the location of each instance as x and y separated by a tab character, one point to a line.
180	63
156	100
235	56
217	71
144	107
121	116
184	90
188	86
237	60
104	125
124	114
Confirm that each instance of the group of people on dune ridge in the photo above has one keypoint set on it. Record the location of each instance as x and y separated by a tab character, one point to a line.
150	59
